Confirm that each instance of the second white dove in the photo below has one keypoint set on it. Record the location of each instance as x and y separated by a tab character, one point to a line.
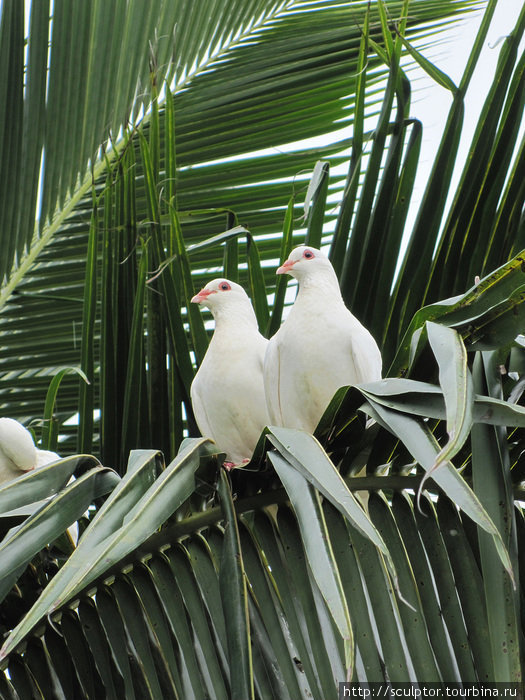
320	347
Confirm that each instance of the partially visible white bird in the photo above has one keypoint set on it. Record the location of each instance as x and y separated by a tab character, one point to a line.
44	457
320	347
17	449
18	453
227	392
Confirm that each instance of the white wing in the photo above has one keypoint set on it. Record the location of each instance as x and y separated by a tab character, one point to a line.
44	457
272	379
366	358
199	409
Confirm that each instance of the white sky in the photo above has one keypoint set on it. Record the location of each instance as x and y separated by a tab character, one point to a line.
431	102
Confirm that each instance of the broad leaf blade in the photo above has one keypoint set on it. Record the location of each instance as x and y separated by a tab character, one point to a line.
309	458
424	447
491	482
104	545
318	548
234	595
456	383
50	521
41	483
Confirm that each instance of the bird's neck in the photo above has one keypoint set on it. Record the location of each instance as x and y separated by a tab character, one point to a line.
318	287
241	319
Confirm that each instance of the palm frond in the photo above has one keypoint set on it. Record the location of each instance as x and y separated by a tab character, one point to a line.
265	83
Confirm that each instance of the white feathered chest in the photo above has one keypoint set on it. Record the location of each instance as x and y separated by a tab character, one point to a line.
320	347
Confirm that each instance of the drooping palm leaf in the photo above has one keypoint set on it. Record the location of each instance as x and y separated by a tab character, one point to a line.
155	595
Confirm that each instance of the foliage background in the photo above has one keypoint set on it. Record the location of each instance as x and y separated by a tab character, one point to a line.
257	96
144	118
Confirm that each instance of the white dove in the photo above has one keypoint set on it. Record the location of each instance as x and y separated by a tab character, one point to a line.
227	392
18	453
320	347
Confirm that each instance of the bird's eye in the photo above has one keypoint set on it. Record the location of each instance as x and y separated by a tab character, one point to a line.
308	254
224	286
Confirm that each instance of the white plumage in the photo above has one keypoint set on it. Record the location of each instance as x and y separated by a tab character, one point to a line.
17	449
320	347
44	457
227	392
18	453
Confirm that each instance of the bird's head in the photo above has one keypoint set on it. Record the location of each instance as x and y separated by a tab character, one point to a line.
220	293
304	261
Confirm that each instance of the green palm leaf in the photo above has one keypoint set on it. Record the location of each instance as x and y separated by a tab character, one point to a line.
156	145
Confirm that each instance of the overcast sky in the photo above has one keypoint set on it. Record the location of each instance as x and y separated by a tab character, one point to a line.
431	102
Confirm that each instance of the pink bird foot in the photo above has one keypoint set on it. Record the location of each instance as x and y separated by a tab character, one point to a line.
231	465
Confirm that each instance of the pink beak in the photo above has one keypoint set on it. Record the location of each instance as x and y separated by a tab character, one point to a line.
285	267
202	296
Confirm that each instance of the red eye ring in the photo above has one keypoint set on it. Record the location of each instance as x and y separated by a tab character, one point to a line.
308	254
224	286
